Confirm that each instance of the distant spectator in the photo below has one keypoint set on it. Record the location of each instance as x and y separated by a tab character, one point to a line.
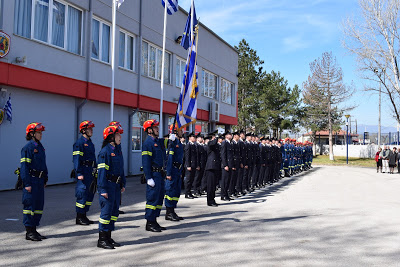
378	159
392	159
385	159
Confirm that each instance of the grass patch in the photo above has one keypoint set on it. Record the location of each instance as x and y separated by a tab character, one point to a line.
324	160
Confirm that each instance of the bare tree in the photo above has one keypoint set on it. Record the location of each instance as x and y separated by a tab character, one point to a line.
374	40
325	92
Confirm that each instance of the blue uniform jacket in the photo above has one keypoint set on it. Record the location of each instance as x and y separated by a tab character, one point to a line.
175	155
33	157
110	162
83	150
153	154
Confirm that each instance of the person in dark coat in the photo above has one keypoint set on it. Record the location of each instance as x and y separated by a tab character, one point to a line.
191	165
392	159
227	165
213	167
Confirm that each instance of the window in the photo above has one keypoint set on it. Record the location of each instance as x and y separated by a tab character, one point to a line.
209	84
138	135
126	51
100	40
152	62
53	22
227	89
180	72
201	127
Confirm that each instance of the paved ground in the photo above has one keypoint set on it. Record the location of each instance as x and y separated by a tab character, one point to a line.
330	216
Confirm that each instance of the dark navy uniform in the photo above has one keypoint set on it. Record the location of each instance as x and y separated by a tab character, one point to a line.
250	165
174	169
191	160
257	159
84	160
243	158
201	158
34	174
213	169
226	161
236	166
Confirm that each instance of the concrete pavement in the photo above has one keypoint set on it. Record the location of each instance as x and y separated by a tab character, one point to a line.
328	216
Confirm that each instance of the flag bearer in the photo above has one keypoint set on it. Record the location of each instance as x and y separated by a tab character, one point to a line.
34	179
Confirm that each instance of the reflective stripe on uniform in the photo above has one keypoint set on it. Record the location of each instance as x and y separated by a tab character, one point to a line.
103	165
150	207
29	212
38	211
79	205
114	218
26	160
102	221
159	207
148	153
171	152
172	198
77	153
88	203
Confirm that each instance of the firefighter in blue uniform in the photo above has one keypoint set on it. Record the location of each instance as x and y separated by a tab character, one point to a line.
34	179
118	147
111	183
153	159
173	184
84	159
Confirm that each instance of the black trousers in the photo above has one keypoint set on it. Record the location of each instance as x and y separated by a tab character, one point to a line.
247	177
226	178
256	172
197	180
271	173
267	176
239	184
189	180
212	179
261	176
232	183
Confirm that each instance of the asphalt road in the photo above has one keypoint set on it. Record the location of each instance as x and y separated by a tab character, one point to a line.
328	216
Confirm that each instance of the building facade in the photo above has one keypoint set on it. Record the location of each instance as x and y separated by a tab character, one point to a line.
58	72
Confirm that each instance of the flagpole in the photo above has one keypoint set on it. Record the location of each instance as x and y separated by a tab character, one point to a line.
160	133
192	21
113	59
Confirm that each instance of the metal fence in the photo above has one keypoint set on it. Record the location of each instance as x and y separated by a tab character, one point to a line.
391	138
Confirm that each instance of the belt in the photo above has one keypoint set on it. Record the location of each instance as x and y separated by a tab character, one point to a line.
177	165
38	174
158	169
115	179
88	163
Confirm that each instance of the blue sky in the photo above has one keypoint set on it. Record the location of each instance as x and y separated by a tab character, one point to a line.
288	35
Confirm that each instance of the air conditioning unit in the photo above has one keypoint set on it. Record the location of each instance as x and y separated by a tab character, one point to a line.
213	110
216	111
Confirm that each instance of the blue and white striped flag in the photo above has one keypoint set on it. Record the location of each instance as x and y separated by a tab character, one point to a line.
187	106
172	6
8	109
187	34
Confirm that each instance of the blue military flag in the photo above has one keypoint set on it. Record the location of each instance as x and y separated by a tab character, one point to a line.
172	6
187	34
187	106
8	109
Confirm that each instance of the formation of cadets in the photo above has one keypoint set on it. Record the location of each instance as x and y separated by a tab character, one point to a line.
234	163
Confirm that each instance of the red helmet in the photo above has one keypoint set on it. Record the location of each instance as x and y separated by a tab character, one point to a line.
86	125
172	126
150	123
34	127
110	130
119	126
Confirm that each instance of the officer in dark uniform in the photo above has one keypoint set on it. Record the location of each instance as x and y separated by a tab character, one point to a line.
34	178
248	168
84	159
192	165
233	192
111	183
213	167
243	157
201	158
257	160
203	190
153	160
227	165
263	148
174	169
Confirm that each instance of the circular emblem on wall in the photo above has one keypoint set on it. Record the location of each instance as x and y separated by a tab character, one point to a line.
4	44
1	115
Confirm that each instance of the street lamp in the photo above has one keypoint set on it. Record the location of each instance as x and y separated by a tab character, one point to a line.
347	138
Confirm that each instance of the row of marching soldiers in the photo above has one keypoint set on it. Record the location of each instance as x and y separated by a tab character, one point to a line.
238	163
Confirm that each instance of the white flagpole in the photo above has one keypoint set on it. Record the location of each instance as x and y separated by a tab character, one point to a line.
191	22
160	134
114	4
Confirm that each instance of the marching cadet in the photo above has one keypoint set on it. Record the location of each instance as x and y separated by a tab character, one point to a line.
236	163
248	168
153	159
34	179
118	147
213	168
191	164
84	159
227	165
173	183
111	183
203	189
201	158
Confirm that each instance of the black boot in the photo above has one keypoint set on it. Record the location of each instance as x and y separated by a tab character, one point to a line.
173	211
40	236
112	242
171	216
87	219
81	219
152	227
159	226
103	241
31	234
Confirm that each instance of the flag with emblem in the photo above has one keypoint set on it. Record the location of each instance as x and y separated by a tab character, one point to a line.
8	109
187	34
172	6
187	105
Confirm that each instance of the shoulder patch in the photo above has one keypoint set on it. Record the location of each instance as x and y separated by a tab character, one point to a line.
155	145
177	145
112	155
86	144
35	151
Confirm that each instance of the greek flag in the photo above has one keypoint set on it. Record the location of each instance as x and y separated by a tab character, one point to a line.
187	35
8	109
172	6
187	106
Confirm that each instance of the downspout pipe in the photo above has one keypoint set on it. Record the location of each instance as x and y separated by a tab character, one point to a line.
130	171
